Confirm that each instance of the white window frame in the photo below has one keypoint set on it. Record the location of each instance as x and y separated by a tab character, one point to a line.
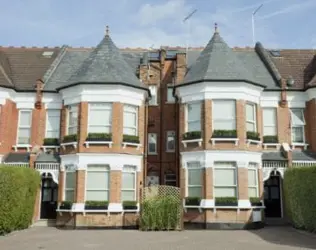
105	106
252	122
129	169
187	116
196	165
217	165
105	169
225	119
170	99
153	91
150	135
268	125
70	110
298	126
253	166
135	111
57	130
69	169
171	133
24	127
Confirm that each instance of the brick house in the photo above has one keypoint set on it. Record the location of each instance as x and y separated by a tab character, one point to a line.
101	123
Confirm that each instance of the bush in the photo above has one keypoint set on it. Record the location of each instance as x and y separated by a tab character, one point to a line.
300	197
99	137
192	135
51	141
131	138
226	201
70	138
224	133
161	213
18	190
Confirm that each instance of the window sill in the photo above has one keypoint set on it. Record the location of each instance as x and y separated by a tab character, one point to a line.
137	145
186	142
87	143
74	144
274	145
50	146
214	140
299	144
108	211
27	146
238	208
249	141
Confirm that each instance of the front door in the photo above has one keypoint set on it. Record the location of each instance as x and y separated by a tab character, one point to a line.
49	198
272	197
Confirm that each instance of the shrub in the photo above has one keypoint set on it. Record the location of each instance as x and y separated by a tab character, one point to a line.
160	213
192	201
18	190
67	205
270	139
96	205
131	138
70	138
51	141
192	135
224	134
99	137
253	136
300	197
129	205
226	201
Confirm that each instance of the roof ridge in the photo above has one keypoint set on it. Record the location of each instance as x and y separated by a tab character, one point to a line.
55	64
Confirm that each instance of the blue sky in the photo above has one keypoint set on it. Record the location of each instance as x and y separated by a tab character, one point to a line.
140	23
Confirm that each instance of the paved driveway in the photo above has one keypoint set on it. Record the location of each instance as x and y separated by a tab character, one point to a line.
46	238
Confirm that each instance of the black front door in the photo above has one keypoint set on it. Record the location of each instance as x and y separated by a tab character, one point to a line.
49	199
272	197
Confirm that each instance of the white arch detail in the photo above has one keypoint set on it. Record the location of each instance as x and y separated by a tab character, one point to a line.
48	168
274	166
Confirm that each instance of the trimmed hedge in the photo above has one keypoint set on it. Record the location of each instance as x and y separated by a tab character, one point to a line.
161	213
300	197
18	189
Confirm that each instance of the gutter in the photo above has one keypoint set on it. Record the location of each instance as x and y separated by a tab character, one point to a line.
145	144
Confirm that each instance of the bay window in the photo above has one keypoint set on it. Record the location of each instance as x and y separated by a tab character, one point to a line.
128	191
130	120
70	183
194	179
52	123
24	127
193	117
251	117
98	182
100	118
270	122
298	125
253	187
72	120
224	114
225	179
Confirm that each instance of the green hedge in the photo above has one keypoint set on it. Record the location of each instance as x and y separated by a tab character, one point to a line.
160	213
300	197
18	189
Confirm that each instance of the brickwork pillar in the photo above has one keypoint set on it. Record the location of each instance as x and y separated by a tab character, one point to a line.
207	122
61	180
80	186
243	183
117	125
115	186
240	122
208	186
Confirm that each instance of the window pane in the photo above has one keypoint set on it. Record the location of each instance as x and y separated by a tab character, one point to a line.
70	180
195	191
194	126
170	141
297	118
224	109
252	177
130	119
53	122
97	180
152	148
99	117
269	131
25	118
250	112
99	129
225	177
170	97
252	192
251	127
130	131
194	112
128	181
128	195
69	195
52	134
194	176
72	130
297	134
97	195
269	116
225	192
24	135
224	125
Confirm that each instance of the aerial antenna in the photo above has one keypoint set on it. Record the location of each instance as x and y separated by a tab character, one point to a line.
187	19
253	23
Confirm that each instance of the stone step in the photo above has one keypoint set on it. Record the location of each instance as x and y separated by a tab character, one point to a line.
45	223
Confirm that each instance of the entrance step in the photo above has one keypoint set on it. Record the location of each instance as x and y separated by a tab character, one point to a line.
276	222
45	223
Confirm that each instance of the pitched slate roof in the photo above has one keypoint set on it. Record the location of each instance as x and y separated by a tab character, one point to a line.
105	64
273	156
218	62
24	66
17	157
304	155
44	157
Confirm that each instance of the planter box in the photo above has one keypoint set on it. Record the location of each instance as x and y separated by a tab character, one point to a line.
130	207
192	202
256	204
225	204
65	207
98	139
89	207
253	138
220	136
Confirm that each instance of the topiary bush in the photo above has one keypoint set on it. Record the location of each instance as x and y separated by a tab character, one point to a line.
18	189
300	197
161	213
